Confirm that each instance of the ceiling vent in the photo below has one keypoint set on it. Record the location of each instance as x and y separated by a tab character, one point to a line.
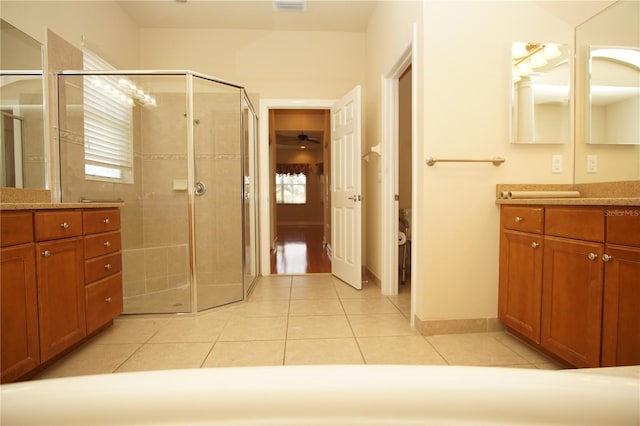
289	5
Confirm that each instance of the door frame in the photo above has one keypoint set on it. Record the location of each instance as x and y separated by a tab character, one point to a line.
263	167
389	180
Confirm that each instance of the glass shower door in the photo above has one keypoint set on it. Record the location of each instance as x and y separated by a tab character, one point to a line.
250	176
217	193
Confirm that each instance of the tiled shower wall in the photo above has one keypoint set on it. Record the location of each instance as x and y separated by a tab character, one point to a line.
155	215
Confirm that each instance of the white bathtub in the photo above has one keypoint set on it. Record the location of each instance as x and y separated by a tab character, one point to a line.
326	395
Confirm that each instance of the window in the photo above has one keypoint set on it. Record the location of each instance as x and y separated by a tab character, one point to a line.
291	188
108	151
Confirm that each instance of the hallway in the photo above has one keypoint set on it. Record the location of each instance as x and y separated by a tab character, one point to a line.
299	250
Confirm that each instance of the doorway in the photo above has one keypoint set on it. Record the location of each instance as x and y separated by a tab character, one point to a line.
344	182
394	158
267	159
301	220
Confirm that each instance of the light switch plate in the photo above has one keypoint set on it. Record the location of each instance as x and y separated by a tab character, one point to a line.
556	163
592	163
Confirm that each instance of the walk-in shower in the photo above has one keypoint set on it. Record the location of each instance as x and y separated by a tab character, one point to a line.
179	149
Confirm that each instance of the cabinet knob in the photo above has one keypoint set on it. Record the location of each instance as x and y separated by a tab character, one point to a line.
107	244
606	257
108	300
46	253
106	221
535	244
519	219
107	266
64	225
592	256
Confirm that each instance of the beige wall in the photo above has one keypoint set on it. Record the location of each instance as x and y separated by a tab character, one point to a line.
107	30
275	64
466	112
463	110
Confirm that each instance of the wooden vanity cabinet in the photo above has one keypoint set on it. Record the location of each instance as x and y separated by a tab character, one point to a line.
621	308
59	260
20	344
103	267
573	284
520	283
48	303
589	299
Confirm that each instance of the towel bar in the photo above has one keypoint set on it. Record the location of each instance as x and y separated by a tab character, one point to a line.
496	160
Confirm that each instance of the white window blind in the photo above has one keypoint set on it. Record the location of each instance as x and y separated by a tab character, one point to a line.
108	151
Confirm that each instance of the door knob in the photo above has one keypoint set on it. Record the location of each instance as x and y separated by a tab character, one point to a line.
535	244
606	257
592	256
200	188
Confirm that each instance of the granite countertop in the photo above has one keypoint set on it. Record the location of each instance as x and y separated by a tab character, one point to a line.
578	201
40	199
53	206
623	193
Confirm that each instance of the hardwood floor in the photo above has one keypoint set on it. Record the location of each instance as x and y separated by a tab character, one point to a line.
299	250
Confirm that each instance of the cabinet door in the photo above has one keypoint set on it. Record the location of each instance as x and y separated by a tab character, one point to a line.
621	316
19	303
520	284
60	295
572	286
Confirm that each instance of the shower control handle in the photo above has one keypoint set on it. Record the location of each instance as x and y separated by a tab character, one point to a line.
200	188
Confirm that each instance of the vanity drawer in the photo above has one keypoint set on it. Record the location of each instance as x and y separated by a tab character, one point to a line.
16	228
104	301
623	226
102	266
101	220
53	225
581	223
523	218
101	244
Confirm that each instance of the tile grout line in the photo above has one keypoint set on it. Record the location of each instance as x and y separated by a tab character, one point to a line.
286	327
364	360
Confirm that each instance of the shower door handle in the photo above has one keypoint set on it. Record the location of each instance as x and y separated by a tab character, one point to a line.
200	188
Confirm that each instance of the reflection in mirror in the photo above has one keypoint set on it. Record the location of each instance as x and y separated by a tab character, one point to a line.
540	96
618	25
22	154
614	94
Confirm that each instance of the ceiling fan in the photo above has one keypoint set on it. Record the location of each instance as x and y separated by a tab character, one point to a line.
299	138
303	137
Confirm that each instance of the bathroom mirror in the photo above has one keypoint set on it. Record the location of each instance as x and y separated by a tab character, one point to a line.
607	95
541	93
614	95
22	153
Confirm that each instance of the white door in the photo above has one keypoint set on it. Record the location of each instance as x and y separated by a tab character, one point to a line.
346	196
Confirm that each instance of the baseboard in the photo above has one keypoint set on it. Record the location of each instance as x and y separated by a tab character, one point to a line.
458	326
370	276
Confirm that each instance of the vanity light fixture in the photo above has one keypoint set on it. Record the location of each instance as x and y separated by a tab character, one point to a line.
529	56
289	5
136	93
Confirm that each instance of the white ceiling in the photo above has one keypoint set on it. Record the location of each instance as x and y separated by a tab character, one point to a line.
320	15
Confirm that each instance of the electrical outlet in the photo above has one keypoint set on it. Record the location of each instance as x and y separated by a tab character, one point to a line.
592	164
556	163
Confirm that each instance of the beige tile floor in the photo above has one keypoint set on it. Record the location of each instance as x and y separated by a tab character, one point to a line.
290	320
